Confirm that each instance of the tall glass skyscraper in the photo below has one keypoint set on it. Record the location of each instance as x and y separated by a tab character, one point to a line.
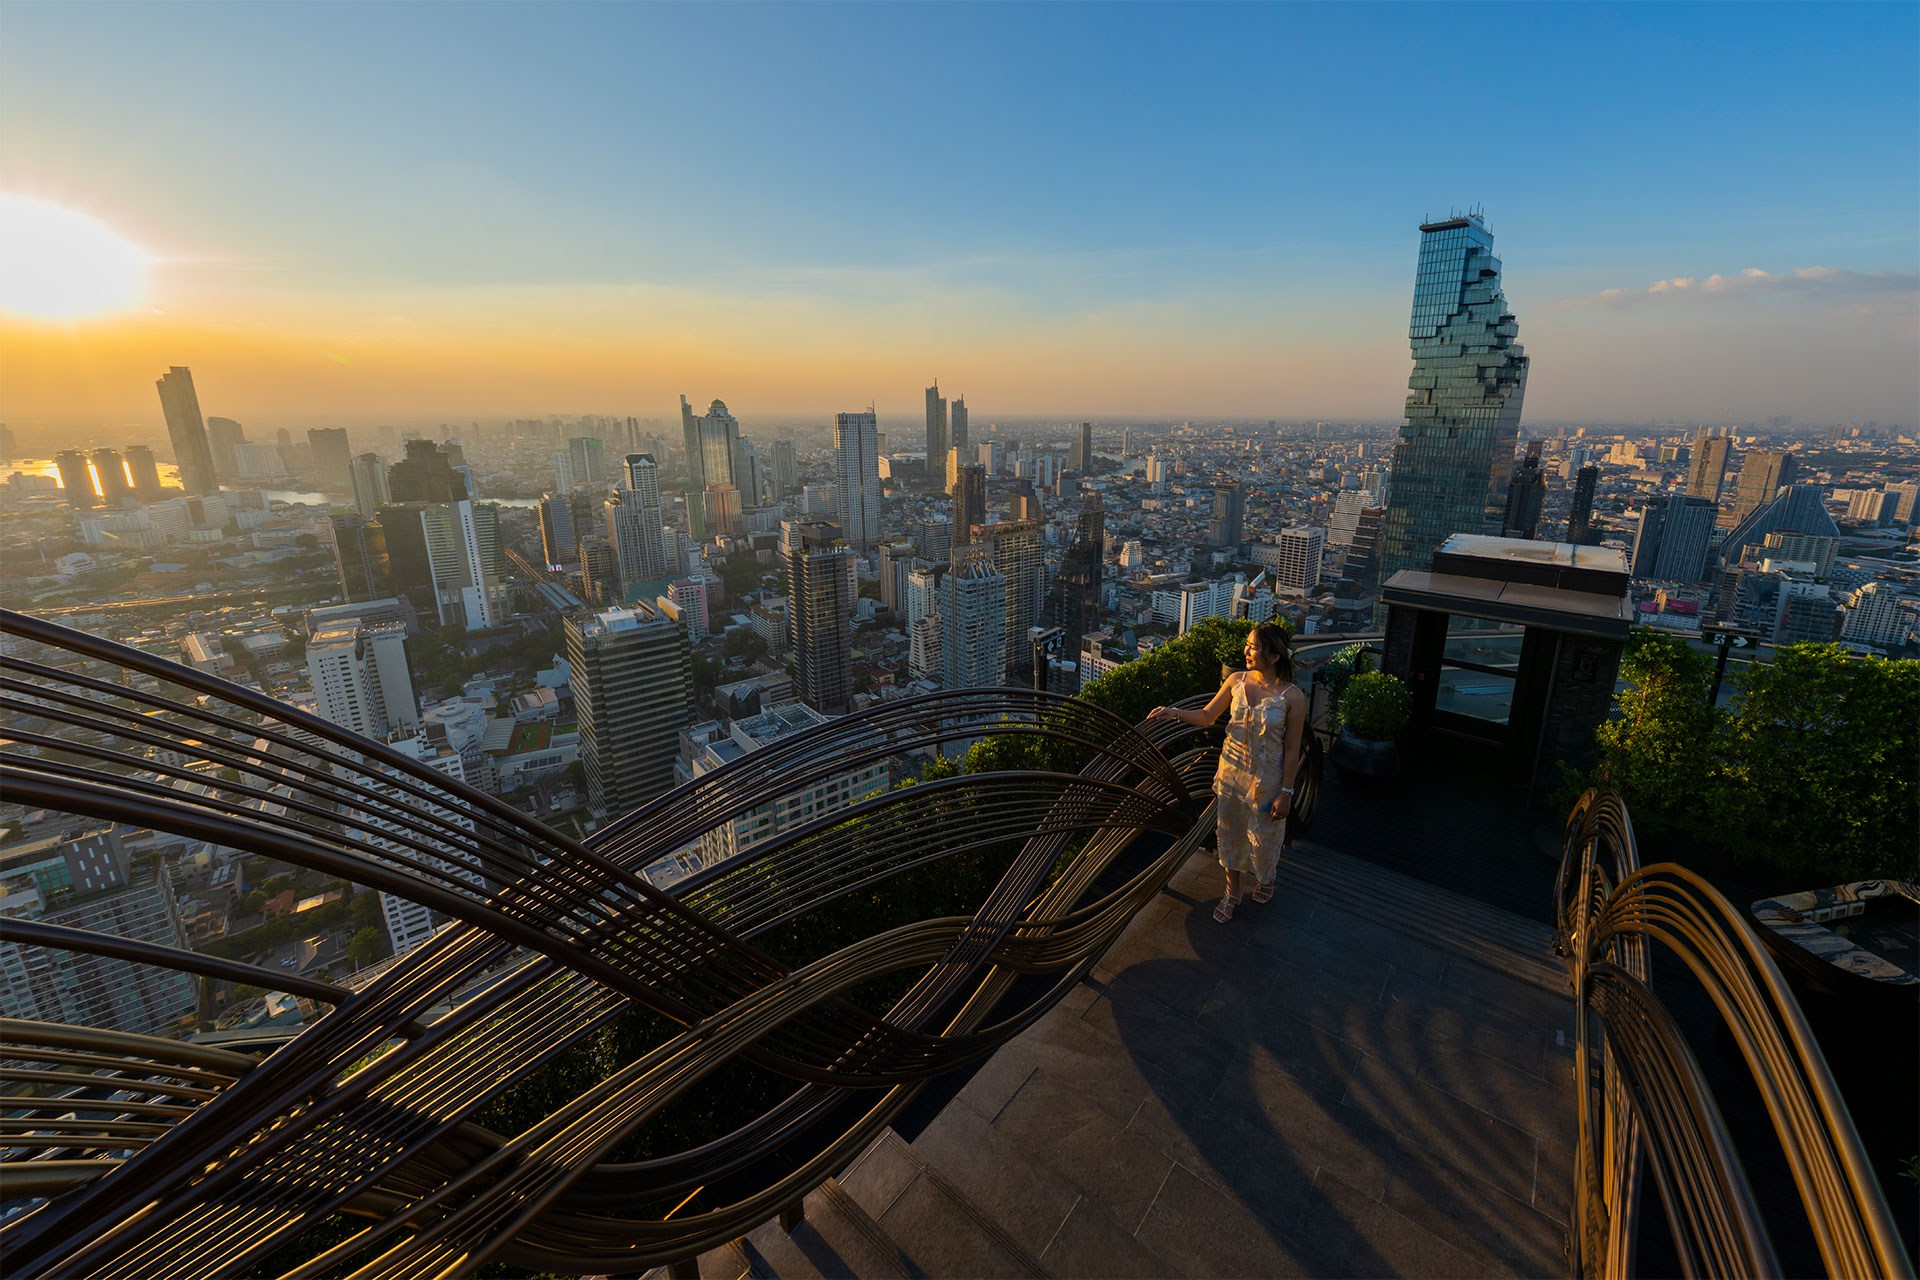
1455	456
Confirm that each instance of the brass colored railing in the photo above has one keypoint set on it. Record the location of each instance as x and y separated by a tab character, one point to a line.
136	1156
1647	1113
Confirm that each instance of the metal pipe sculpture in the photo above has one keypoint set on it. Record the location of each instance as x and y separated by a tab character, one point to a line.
1646	1107
127	1155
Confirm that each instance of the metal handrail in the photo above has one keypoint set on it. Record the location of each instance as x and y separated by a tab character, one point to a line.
116	1167
1646	1111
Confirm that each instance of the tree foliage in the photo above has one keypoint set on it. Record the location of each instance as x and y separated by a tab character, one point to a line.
1812	768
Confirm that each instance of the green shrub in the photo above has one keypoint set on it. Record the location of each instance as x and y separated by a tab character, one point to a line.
1376	705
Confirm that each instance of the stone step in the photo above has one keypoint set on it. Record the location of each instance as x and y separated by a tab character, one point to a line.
941	1229
1512	944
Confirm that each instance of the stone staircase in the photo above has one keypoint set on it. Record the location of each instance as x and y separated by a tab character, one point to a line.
1367	1076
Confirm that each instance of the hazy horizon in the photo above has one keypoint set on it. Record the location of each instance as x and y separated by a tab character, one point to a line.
1704	213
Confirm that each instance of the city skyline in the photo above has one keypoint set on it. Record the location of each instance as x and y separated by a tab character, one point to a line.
406	257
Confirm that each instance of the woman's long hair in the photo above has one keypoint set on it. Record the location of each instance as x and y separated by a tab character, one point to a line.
1275	644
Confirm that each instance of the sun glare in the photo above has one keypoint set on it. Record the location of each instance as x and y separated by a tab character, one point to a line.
56	264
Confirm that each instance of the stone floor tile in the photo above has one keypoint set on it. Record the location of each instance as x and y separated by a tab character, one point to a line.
1417	1007
1357	936
1206	1234
1359	1236
1444	1127
1267	1172
1092	1245
1029	1202
1186	1057
943	1240
1063	1129
1523	1100
1549	1009
880	1175
1477	1218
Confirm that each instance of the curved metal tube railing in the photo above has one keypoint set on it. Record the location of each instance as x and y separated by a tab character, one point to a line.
126	1155
1645	1106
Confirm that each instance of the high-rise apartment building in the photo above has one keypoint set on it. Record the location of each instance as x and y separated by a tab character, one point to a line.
1707	469
1873	616
821	589
973	622
957	424
1229	513
589	458
143	473
720	506
924	657
76	478
360	677
897	560
1455	454
642	484
446	558
856	485
686	603
937	440
409	923
558	542
1906	496
1673	540
599	572
360	555
935	538
1076	591
332	458
632	674
1014	547
1297	566
1580	530
786	470
633	530
368	479
1763	473
188	432
110	477
224	438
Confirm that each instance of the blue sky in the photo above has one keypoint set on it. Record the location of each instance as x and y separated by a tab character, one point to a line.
1213	181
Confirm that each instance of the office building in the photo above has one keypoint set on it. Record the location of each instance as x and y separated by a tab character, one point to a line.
224	438
642	490
973	622
187	431
1080	455
786	470
360	556
332	458
924	658
632	676
856	484
1229	509
1804	612
969	494
368	480
87	880
426	474
1763	473
937	440
446	558
1526	496
1455	453
588	457
143	473
1014	548
821	589
1076	591
1580	530
1707	471
957	424
559	544
935	539
897	560
720	508
599	572
360	677
564	478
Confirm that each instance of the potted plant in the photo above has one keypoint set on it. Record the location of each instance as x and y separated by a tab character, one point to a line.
1374	708
1337	673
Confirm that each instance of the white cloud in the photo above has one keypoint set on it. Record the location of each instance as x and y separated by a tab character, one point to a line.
1823	284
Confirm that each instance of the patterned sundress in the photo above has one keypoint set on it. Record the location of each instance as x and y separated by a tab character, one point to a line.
1247	781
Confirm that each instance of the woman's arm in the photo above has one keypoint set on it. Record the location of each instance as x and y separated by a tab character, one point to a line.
1205	715
1282	803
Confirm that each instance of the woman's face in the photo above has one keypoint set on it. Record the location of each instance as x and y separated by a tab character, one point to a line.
1256	657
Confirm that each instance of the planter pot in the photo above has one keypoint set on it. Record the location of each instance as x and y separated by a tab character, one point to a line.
1361	757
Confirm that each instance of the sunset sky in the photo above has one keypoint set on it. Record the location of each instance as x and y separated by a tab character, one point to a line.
431	212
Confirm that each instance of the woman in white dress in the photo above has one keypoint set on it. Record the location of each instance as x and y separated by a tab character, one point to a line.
1267	718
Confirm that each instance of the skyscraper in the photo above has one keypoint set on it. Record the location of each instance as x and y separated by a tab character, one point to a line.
856	486
110	477
1671	544
426	474
360	554
786	470
446	558
1526	496
1580	519
589	458
1707	471
1014	549
558	541
643	491
76	479
143	472
1301	550
1451	465
332	458
937	440
188	432
599	572
633	530
368	478
924	658
1763	473
632	676
820	596
1229	510
973	622
1076	592
224	438
360	677
957	424
1081	458
969	495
